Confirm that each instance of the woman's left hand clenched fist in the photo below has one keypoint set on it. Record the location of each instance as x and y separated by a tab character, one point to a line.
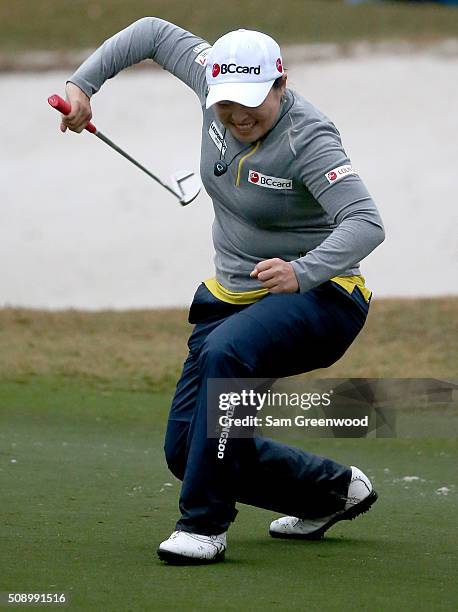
276	275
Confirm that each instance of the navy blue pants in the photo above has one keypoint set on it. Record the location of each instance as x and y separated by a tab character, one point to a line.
280	335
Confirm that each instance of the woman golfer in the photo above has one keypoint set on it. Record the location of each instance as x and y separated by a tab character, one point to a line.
292	222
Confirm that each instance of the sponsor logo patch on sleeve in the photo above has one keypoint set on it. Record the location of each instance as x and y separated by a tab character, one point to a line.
339	173
202	57
269	182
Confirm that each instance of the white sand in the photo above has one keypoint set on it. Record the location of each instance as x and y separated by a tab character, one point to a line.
80	227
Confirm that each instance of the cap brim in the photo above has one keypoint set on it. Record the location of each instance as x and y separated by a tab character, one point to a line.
248	94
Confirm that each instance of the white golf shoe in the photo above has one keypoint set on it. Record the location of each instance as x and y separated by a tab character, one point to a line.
183	548
360	498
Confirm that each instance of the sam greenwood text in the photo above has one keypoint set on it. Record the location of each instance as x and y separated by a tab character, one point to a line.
298	421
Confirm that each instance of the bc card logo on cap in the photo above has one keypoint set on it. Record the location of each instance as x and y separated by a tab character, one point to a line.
234	69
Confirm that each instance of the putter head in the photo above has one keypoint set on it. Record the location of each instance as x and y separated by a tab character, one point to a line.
187	186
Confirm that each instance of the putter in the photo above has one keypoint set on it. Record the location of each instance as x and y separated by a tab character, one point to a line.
186	185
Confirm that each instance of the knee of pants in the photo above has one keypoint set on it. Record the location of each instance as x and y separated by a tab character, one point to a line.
219	352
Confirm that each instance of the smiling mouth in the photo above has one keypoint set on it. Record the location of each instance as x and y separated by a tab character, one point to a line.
244	127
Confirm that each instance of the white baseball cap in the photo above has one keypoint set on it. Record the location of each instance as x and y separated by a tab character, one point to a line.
241	67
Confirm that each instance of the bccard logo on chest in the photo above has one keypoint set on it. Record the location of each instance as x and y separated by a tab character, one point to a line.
269	182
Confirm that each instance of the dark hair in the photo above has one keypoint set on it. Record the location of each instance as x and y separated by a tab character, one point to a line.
277	83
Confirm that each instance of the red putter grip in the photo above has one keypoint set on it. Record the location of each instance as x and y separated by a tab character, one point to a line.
64	107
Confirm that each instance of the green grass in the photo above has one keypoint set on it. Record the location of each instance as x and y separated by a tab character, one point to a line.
85	505
53	24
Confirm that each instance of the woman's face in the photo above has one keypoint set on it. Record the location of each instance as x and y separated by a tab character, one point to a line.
246	123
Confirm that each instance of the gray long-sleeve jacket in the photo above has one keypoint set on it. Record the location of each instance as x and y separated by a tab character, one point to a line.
292	195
